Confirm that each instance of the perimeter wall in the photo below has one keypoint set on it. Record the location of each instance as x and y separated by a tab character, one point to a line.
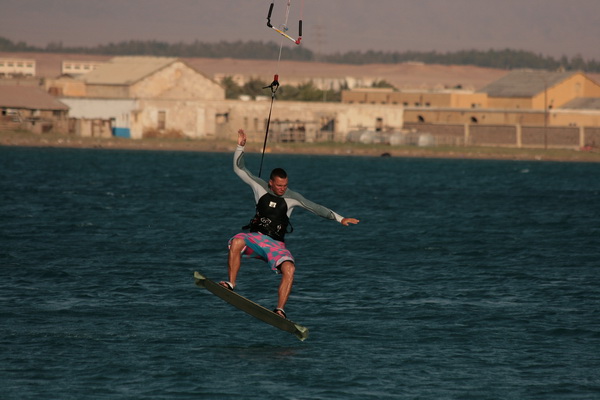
509	135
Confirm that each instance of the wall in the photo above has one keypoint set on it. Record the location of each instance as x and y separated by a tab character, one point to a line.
85	127
510	103
503	117
510	136
187	118
107	91
317	121
574	118
440	98
118	110
177	81
65	86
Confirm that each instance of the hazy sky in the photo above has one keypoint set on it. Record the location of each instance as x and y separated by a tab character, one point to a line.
549	27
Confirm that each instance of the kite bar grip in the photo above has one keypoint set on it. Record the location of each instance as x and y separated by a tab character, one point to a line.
299	32
269	15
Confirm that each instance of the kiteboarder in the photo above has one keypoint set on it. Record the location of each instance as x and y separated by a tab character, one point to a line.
266	237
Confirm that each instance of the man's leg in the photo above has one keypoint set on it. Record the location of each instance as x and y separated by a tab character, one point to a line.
287	269
235	258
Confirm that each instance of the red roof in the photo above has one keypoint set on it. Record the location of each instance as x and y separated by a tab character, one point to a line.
28	97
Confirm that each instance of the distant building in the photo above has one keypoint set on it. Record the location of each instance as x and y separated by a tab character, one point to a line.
453	98
30	108
538	90
521	97
143	96
16	67
74	67
524	109
165	97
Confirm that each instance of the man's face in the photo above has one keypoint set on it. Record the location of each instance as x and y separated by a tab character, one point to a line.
278	185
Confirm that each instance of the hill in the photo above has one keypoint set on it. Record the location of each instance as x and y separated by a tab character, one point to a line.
404	75
411	75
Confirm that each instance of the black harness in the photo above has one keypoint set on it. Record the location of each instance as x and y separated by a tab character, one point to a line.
271	217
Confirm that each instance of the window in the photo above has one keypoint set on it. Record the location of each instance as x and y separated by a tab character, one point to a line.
222	118
162	120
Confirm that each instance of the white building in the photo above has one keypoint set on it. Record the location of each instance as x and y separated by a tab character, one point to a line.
17	67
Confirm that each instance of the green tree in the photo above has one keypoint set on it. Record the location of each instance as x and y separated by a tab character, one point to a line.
383	84
504	59
232	89
255	87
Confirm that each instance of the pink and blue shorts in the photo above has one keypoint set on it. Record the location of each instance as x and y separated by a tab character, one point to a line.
264	248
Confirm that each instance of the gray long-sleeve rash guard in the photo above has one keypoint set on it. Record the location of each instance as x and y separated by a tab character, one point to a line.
292	199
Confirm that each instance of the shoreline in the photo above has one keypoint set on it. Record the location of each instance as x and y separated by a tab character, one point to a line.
27	139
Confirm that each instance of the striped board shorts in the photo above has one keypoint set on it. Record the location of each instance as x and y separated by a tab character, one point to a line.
264	248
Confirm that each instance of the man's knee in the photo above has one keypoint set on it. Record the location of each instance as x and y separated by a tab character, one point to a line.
287	268
237	244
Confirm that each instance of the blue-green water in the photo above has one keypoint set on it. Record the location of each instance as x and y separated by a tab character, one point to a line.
464	279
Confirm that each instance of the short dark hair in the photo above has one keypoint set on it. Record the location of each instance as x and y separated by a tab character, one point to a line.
279	173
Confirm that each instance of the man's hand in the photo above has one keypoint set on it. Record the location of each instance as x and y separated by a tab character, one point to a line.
241	137
348	221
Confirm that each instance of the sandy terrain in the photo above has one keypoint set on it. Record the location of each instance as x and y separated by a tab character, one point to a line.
402	76
406	75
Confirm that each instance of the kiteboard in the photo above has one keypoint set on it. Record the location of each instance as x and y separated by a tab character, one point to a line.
250	307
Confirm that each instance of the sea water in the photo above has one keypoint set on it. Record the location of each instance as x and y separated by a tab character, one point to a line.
464	279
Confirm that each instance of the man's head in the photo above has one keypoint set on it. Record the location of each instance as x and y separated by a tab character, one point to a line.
278	181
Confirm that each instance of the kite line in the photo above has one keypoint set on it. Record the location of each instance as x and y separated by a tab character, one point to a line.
282	30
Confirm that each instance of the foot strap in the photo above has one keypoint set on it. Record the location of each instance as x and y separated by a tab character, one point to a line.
280	310
226	285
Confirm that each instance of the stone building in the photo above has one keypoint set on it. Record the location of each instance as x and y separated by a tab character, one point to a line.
157	96
31	108
143	96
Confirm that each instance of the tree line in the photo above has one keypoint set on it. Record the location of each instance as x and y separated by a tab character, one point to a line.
501	59
257	87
